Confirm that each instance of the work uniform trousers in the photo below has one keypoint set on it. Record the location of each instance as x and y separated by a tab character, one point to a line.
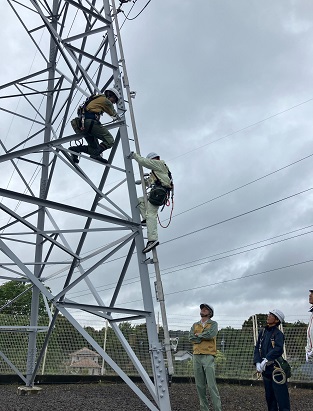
96	130
204	371
277	395
151	216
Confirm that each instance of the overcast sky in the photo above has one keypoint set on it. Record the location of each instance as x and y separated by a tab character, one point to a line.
224	96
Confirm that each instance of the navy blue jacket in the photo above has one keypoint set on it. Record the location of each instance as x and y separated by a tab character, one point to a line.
268	337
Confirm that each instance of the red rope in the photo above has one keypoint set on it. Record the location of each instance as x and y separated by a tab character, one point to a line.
167	205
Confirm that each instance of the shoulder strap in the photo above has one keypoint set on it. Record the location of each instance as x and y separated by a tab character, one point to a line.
273	336
91	98
261	340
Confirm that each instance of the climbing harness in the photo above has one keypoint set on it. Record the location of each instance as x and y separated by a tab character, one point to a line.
161	195
83	114
282	369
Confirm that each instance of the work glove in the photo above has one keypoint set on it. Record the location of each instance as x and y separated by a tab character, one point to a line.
309	356
116	117
263	364
130	155
258	367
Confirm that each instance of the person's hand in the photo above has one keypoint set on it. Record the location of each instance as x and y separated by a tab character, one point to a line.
130	155
258	367
263	364
116	117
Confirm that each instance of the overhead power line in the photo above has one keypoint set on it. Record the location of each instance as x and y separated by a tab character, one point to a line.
244	185
242	277
197	262
246	127
237	216
229	280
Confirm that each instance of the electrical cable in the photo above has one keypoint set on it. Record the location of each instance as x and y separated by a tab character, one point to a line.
133	18
245	185
246	127
237	216
167	272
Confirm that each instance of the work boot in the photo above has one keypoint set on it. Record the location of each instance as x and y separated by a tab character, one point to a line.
150	245
100	159
78	149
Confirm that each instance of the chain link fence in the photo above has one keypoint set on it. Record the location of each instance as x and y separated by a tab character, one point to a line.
68	352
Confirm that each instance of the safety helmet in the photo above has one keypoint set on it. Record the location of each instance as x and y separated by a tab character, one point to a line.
152	155
208	307
113	91
311	291
279	314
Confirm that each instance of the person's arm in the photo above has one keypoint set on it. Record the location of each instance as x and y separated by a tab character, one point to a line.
193	337
155	165
256	355
209	333
109	108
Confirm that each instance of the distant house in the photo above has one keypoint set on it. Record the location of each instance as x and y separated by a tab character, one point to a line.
84	361
182	356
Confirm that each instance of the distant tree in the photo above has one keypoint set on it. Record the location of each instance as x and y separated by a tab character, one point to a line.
261	319
23	294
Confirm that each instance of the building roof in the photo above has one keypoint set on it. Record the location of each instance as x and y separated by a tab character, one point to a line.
85	351
85	363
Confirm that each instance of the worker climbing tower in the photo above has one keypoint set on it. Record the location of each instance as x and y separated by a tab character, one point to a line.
71	222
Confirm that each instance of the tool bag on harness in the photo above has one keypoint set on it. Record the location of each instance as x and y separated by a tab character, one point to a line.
284	365
159	194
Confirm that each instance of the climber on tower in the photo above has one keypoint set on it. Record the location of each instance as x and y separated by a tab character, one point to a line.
88	123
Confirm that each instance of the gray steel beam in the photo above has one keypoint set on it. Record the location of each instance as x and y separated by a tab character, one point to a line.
103	58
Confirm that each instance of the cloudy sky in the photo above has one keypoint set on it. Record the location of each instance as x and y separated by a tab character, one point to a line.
224	96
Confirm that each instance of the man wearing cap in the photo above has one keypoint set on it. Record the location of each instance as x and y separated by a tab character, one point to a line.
309	344
203	337
161	175
269	347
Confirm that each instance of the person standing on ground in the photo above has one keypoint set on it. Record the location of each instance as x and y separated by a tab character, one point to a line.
309	344
160	176
203	337
89	123
270	347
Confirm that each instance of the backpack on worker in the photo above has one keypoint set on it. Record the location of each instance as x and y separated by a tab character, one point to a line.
159	194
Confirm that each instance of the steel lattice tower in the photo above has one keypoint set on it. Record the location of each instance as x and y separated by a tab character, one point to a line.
76	43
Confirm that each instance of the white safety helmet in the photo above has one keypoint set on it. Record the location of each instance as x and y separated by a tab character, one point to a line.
207	306
311	291
113	91
279	314
152	155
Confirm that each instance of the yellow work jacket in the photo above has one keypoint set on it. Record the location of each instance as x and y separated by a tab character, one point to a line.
100	105
205	341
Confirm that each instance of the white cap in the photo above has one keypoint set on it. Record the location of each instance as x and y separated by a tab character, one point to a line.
114	91
279	314
152	155
208	306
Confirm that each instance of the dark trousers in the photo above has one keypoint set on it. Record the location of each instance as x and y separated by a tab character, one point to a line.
277	395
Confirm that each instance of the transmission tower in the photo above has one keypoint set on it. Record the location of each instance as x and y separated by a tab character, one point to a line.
48	234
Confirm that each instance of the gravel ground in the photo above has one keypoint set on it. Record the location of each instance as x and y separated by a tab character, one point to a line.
119	397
